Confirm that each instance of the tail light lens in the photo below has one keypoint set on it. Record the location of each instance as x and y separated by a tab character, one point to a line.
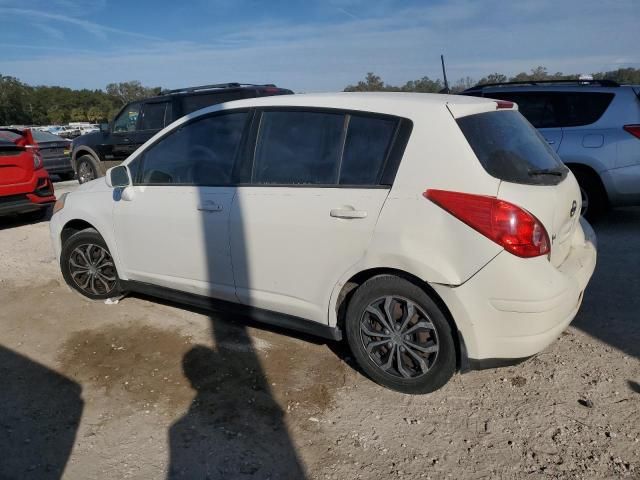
37	159
633	130
510	226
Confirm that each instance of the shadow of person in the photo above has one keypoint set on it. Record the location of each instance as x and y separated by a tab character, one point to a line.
234	428
40	411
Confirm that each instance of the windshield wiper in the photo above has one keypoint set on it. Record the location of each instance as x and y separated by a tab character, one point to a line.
545	171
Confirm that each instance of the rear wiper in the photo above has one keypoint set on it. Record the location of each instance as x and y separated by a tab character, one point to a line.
545	171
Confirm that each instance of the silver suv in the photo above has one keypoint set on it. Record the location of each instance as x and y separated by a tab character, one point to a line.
593	125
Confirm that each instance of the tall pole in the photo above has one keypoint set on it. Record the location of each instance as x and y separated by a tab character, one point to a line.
444	74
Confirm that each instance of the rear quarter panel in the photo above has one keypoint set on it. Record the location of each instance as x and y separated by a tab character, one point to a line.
415	235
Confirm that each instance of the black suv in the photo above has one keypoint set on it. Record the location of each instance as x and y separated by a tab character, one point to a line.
93	154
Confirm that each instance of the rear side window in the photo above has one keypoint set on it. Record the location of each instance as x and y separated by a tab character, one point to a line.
584	108
295	148
191	103
510	149
153	115
366	149
202	153
558	109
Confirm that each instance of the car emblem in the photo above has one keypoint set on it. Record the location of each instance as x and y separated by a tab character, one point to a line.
574	207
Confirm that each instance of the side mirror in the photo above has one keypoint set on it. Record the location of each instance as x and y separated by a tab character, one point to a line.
104	127
118	177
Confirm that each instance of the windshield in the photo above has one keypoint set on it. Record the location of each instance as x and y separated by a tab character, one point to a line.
511	149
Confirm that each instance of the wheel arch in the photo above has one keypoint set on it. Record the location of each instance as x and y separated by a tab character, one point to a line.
83	222
72	227
351	285
79	152
592	173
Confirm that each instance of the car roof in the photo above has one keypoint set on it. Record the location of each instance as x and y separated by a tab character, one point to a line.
380	102
221	88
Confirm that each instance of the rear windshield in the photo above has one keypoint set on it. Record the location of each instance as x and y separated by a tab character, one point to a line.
509	148
40	136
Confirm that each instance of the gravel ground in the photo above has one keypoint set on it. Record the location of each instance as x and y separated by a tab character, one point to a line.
145	389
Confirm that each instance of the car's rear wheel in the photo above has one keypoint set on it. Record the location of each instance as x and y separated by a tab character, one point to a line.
399	336
88	267
87	169
594	198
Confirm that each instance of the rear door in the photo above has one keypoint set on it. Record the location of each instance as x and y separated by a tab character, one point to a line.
308	212
532	175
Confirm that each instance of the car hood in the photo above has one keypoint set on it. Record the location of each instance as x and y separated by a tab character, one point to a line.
97	185
92	138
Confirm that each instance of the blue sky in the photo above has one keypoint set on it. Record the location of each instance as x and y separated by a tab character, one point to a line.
308	45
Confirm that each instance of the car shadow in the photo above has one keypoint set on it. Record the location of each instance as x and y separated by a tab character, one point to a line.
31	218
611	303
40	411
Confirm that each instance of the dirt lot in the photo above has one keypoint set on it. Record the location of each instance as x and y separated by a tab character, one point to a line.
148	390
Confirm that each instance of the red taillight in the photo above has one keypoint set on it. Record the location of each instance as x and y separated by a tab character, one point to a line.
633	130
510	226
500	104
37	156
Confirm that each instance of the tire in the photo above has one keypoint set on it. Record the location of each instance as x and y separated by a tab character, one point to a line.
594	198
87	169
386	347
81	259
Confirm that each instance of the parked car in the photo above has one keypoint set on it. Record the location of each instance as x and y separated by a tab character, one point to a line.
55	151
435	232
65	132
25	187
593	125
138	121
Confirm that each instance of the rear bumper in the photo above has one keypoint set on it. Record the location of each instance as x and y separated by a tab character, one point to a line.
60	164
513	308
40	195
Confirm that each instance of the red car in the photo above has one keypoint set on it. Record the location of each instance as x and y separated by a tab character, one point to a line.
25	186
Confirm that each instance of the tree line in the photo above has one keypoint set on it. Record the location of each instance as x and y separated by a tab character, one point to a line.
373	83
22	104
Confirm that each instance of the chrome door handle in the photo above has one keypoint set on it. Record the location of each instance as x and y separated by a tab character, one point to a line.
348	213
210	207
550	142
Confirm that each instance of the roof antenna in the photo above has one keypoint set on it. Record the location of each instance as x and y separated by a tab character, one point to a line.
444	74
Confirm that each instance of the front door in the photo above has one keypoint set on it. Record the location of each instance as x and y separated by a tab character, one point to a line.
172	224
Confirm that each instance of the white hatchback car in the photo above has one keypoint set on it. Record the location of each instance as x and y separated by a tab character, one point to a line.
435	232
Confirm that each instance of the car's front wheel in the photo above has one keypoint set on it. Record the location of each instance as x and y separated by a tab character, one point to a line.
87	169
399	335
88	267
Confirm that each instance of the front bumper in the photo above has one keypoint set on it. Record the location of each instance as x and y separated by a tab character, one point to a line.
513	308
